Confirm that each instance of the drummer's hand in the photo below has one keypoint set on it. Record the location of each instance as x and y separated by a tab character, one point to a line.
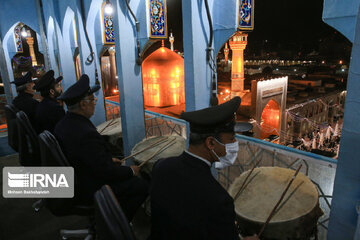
135	169
255	237
116	160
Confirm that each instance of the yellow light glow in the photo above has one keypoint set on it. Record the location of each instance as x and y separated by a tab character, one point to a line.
271	119
166	69
152	91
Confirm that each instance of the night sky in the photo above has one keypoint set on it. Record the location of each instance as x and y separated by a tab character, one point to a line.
294	25
284	20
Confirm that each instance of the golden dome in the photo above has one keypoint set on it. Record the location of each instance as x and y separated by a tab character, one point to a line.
163	78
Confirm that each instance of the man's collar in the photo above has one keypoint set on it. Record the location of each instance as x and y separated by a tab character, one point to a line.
198	157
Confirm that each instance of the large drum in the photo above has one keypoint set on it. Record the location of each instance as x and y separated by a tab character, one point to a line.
112	132
297	215
169	146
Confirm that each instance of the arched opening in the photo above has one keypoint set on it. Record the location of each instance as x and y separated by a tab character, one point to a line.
27	57
163	64
70	37
270	120
53	47
63	41
77	63
108	73
75	49
109	79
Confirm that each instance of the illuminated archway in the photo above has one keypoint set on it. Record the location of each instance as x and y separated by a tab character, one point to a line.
28	56
270	120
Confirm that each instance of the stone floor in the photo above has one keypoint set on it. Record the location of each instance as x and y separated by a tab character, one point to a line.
19	221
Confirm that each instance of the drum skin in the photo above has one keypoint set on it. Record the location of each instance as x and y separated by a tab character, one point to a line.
175	148
297	215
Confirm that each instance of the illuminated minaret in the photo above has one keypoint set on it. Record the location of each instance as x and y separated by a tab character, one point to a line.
226	53
237	44
30	42
171	40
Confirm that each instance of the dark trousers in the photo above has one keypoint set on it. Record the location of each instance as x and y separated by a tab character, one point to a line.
131	194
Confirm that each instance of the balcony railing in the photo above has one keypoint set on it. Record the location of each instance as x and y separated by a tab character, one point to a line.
112	109
157	124
321	170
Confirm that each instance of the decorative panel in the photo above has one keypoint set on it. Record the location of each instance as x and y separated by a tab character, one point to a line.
158	19
17	38
246	14
109	35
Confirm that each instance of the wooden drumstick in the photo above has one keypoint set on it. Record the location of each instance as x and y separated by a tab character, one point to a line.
112	120
272	213
245	181
157	152
138	152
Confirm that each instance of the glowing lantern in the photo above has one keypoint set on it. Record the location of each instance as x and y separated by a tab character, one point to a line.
163	78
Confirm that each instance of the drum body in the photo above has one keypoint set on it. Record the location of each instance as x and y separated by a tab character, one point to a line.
169	146
112	133
297	215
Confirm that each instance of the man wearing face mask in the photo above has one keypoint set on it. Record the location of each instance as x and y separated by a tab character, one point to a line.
187	202
49	111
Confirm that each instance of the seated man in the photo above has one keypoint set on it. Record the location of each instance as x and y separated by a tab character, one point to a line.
24	101
49	111
187	202
87	152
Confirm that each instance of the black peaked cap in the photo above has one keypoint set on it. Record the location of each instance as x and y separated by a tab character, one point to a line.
78	91
47	80
219	118
22	80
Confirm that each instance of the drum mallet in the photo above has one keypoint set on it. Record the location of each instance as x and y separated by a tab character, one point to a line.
278	203
162	140
157	152
110	123
245	181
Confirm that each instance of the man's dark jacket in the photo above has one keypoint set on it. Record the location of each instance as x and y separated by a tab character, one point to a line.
26	103
188	203
48	114
87	152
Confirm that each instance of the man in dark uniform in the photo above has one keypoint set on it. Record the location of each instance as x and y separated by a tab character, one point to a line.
24	101
49	111
187	202
87	152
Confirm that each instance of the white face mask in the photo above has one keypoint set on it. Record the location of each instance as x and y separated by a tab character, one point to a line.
232	150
